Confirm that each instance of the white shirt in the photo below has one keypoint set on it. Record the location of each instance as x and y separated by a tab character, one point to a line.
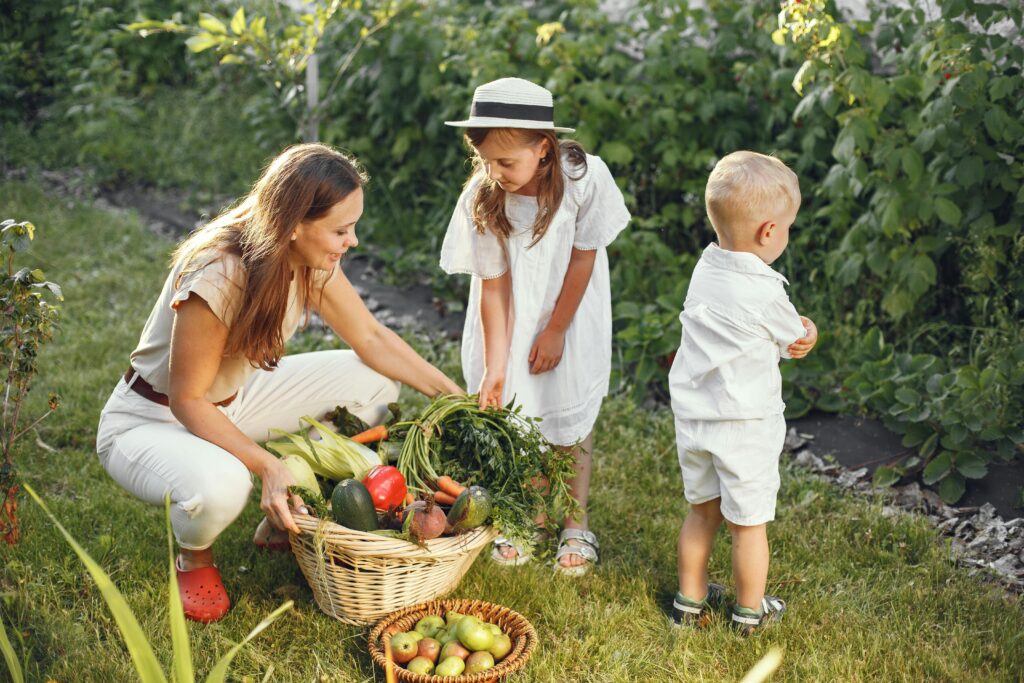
737	323
592	213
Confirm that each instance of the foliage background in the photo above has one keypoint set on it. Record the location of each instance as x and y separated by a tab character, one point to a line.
906	131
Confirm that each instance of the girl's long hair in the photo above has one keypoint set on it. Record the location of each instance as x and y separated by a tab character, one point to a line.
488	207
301	184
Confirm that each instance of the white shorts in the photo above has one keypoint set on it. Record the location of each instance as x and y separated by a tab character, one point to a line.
736	460
149	453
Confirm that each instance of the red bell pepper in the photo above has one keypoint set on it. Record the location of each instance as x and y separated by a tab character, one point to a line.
386	486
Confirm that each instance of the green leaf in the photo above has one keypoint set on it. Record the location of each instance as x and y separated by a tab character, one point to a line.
908	396
971	465
970	171
232	59
181	667
886	476
212	24
913	164
13	665
947	211
937	468
141	652
618	153
220	669
203	41
952	488
238	22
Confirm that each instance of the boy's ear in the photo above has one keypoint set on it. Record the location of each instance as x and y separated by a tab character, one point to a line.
764	233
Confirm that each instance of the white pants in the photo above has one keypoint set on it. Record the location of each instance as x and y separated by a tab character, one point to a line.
735	460
148	452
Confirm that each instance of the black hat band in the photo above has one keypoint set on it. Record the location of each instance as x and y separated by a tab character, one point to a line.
503	110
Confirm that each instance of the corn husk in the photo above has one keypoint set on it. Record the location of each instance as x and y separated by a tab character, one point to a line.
333	456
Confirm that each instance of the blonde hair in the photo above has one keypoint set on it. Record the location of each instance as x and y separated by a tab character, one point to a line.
301	184
488	207
747	188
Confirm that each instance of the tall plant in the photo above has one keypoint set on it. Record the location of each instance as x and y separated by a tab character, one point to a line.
141	651
28	317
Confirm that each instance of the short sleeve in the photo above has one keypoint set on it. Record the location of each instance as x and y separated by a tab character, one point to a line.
216	283
783	323
466	250
602	213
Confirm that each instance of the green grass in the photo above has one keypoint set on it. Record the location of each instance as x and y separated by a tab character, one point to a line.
871	598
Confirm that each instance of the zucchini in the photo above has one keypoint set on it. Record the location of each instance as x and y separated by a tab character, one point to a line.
352	506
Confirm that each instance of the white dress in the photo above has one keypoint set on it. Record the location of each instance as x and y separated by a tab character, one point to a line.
592	213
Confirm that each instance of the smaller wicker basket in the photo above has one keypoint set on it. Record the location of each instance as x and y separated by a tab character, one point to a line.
359	577
524	638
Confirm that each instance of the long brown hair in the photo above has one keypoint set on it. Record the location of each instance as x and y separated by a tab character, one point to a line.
488	206
301	184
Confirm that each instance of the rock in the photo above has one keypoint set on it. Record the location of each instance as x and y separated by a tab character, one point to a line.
793	440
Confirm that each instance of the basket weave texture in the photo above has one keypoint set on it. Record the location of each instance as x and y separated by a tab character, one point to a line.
359	577
524	638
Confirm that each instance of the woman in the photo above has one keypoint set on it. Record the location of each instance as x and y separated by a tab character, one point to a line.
208	379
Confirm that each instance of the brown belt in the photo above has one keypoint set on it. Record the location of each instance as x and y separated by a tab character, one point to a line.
146	390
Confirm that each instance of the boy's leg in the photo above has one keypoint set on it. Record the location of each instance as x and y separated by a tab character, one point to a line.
695	540
750	559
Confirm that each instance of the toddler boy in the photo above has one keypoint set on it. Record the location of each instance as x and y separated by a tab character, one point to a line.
726	386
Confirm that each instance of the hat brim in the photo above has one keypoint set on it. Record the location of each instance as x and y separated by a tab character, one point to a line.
488	122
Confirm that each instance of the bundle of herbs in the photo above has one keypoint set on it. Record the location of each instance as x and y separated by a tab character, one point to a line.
498	448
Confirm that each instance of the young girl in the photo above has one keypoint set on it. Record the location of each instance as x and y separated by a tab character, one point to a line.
531	227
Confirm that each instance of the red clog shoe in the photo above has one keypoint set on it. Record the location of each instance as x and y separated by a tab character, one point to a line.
202	594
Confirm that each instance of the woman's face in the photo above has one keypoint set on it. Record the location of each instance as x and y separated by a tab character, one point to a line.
512	164
320	243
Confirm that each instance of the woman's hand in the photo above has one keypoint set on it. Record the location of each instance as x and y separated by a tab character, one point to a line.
275	498
801	347
547	351
491	387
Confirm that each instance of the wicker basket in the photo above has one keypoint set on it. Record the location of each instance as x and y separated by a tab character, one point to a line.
359	577
524	638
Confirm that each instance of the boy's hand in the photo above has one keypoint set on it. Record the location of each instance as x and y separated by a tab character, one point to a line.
801	347
491	387
547	351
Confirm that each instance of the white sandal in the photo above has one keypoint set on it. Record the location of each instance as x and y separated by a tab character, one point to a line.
586	546
521	557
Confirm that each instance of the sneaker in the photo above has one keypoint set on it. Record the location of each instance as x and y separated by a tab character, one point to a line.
697	613
748	621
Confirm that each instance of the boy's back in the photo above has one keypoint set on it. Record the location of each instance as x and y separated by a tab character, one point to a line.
737	322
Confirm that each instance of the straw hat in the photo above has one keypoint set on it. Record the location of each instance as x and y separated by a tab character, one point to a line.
511	103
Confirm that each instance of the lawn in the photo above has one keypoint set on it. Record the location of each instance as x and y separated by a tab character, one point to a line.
871	598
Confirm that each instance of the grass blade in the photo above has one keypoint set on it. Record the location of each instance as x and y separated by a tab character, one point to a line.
220	669
13	665
139	648
764	668
181	671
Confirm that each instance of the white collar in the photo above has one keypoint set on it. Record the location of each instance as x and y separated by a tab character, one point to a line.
740	262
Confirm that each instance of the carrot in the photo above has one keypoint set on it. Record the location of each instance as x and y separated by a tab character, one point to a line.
443	498
409	498
449	486
378	433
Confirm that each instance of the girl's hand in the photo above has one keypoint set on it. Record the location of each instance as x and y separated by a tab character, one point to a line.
801	347
547	351
491	387
275	498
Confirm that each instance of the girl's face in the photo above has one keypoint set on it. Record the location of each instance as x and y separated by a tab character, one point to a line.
320	243
512	163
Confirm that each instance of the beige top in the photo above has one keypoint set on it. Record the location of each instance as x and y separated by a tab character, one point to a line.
219	284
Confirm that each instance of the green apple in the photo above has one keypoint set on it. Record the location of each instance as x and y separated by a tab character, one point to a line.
453	648
451	616
429	625
420	665
474	633
452	666
502	646
479	661
494	628
403	647
417	635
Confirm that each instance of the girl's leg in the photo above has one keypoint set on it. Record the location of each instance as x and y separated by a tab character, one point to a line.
694	548
749	563
580	489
